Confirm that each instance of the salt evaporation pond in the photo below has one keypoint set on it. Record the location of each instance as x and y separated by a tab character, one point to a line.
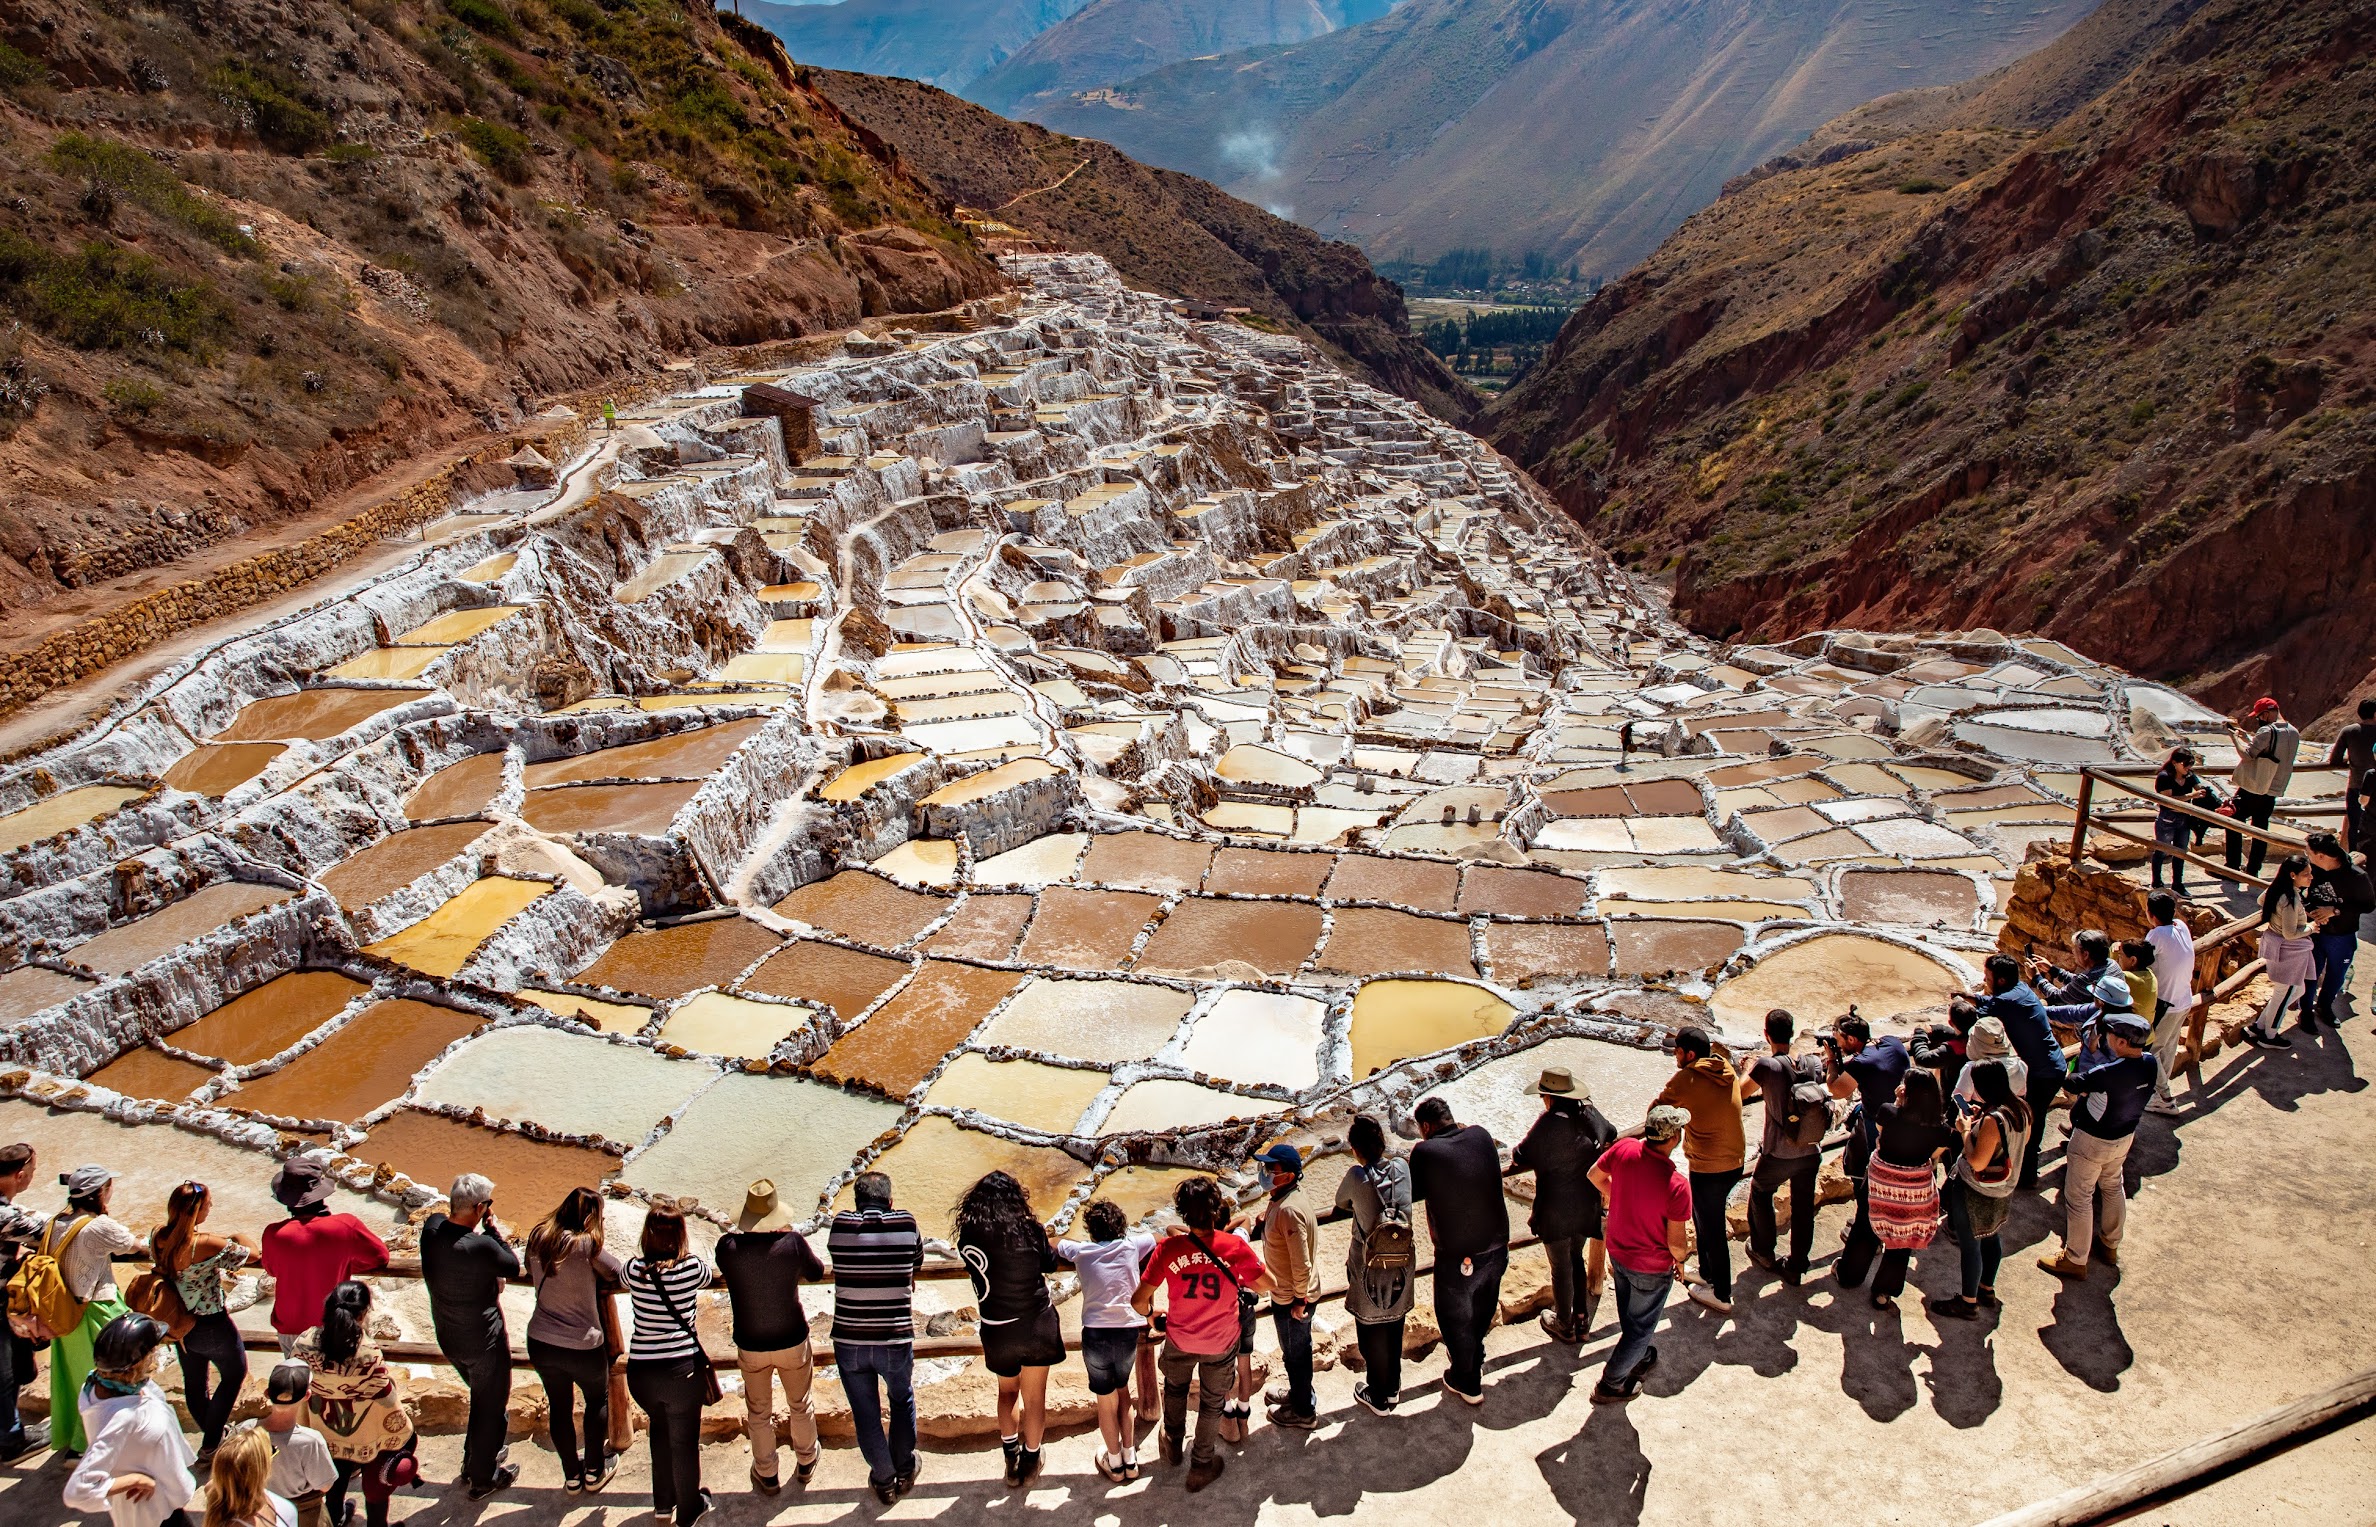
217	769
617	1091
531	1176
1257	1036
30	988
696	753
123	949
396	861
367	1061
797	1132
1108	1022
848	981
1163	1104
63	812
671	961
937	1160
1394	1020
311	715
443	942
457	790
737	1028
1046	1098
1818	979
903	1041
257	1025
1273	937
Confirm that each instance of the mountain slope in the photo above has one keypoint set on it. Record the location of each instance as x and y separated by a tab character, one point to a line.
1107	41
247	265
2112	381
942	42
1162	230
1582	129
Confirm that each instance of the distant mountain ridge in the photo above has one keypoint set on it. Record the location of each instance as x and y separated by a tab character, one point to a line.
1162	230
1107	41
1582	129
948	43
2084	348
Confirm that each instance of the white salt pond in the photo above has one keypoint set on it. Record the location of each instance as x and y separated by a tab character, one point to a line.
796	1132
1108	1022
1255	1036
617	1091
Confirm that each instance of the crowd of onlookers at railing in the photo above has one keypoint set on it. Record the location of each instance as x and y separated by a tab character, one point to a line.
1937	1130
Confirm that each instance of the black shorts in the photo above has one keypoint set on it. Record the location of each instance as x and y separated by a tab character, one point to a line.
1035	1341
1247	1321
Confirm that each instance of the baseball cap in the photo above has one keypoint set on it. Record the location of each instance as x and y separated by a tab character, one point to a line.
1283	1156
2264	705
1664	1122
83	1181
2128	1025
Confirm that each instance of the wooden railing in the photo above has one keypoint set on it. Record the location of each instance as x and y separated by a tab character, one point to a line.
2086	817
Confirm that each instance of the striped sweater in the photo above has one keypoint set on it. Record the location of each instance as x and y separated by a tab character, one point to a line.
653	1288
875	1255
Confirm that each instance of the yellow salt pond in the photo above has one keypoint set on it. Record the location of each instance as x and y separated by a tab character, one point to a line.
920	861
456	626
773	699
858	778
63	812
1393	1020
390	663
989	782
609	1017
1819	978
788	635
490	570
764	668
444	941
1259	817
1036	1096
738	1027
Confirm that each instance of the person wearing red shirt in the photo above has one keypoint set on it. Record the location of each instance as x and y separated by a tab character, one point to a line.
1203	1271
313	1250
1649	1211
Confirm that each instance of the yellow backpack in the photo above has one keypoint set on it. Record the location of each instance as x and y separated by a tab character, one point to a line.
40	1306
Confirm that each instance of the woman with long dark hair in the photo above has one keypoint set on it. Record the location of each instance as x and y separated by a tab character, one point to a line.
197	1261
1980	1184
2175	830
666	1367
2285	948
352	1403
1902	1182
1009	1256
571	1270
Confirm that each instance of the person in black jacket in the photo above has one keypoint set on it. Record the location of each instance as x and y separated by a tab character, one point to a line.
465	1260
1456	1173
2344	891
1560	1150
764	1261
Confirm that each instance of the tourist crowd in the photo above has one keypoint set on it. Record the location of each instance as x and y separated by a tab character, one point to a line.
1939	1131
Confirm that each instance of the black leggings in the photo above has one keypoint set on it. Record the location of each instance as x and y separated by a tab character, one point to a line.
376	1489
212	1348
566	1372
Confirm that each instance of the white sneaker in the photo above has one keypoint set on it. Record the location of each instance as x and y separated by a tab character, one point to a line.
2167	1107
1705	1297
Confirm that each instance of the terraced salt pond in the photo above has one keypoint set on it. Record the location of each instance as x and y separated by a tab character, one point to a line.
986	798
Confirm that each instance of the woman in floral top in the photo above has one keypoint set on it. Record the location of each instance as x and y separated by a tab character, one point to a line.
196	1261
353	1404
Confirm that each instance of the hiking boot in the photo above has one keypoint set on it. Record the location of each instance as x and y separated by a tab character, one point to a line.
887	1493
765	1484
2062	1265
1294	1420
1027	1467
1764	1259
2108	1255
504	1479
1204	1471
904	1482
1549	1321
1584	1316
1958	1308
1175	1449
1603	1394
802	1473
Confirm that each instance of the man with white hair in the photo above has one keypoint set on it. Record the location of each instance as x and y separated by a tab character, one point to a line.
465	1260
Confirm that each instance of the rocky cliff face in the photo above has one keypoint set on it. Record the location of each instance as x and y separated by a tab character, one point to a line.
2110	380
1162	230
253	255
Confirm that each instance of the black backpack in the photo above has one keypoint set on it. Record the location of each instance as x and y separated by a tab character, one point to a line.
1807	1117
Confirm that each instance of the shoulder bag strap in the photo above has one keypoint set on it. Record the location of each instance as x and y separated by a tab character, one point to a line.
1198	1242
668	1303
72	1231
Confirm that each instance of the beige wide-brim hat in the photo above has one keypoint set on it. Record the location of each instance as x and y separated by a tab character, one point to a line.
760	1210
1557	1082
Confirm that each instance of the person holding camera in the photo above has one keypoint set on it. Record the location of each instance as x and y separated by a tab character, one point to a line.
1870	1071
2011	1002
465	1261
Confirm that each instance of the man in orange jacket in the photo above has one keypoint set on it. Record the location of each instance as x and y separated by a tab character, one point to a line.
1706	1087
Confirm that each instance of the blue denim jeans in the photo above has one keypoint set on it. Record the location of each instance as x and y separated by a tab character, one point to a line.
867	1371
1640	1298
2330	956
1295	1355
1982	1255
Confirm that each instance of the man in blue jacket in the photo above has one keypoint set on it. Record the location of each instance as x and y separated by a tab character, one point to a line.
2010	1001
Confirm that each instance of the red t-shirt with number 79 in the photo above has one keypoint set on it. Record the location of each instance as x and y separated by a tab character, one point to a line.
1200	1301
